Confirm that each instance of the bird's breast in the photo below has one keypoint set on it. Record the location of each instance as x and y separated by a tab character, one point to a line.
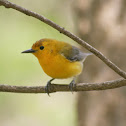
57	66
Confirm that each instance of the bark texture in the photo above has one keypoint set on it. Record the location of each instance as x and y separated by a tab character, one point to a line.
102	23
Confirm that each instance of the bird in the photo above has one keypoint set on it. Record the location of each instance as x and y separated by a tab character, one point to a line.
58	59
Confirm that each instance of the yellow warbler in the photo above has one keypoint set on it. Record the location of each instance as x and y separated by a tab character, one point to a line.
59	60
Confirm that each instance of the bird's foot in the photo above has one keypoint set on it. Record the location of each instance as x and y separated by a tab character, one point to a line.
71	85
47	87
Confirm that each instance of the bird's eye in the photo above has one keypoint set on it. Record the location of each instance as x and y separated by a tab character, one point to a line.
41	47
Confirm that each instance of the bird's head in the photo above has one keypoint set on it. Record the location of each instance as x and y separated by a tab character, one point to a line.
41	47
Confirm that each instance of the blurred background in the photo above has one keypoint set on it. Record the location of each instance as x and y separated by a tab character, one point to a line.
100	23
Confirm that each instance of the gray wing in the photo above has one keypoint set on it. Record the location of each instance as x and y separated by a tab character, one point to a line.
74	54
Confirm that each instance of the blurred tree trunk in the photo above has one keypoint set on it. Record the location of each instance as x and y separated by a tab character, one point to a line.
102	23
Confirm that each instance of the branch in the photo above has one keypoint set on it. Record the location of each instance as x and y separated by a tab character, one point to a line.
65	88
8	4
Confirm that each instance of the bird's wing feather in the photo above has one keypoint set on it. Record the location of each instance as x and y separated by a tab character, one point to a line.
73	54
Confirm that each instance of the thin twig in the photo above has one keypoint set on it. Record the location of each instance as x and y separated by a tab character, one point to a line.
64	88
8	4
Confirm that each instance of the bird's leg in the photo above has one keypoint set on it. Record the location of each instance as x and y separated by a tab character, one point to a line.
48	86
72	84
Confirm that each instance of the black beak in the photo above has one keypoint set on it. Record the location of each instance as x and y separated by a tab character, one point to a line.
29	51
